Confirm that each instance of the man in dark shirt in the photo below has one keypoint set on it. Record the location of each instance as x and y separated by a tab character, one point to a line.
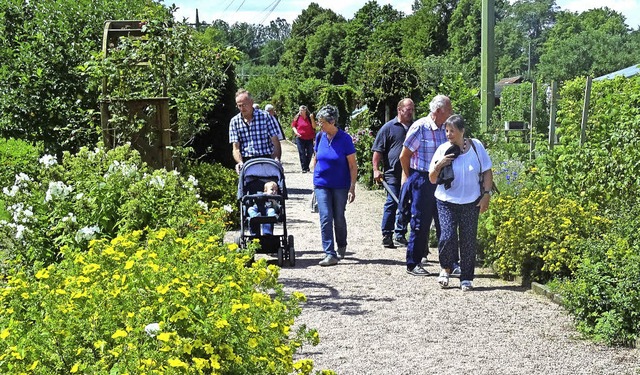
386	155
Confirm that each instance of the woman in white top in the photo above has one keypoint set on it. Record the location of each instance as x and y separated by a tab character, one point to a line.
460	203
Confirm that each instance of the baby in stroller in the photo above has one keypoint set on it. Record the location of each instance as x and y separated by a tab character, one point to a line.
270	207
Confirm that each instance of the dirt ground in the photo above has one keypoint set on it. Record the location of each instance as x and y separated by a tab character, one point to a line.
374	318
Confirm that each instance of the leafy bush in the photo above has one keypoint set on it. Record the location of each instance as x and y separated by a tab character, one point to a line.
17	156
92	194
217	185
603	295
363	137
536	234
152	302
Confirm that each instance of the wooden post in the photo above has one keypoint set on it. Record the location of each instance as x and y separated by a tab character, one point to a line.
532	120
585	112
487	63
552	115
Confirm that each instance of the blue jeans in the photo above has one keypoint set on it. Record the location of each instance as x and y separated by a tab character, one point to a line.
305	152
459	224
423	210
331	206
391	214
254	211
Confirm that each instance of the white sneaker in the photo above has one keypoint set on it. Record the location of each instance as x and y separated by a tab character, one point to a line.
443	279
466	285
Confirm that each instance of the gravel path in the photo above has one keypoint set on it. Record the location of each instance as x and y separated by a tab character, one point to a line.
373	318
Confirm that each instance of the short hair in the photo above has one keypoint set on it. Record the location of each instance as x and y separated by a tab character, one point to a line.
404	102
256	105
455	120
438	102
269	184
268	107
243	92
328	113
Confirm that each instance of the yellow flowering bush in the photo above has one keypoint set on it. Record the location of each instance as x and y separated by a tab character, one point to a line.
152	302
536	234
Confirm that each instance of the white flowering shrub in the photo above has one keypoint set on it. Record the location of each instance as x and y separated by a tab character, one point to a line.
91	195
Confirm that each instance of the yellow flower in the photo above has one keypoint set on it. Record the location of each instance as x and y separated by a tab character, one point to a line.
33	365
90	268
75	368
232	246
252	343
42	274
162	289
222	259
128	265
164	336
175	362
222	323
4	334
200	363
161	234
119	333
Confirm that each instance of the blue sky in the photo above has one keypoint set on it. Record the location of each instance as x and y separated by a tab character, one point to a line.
264	11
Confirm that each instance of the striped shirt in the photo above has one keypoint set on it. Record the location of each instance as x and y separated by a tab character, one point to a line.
423	139
254	137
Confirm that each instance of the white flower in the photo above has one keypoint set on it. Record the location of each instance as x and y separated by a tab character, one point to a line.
79	196
203	205
157	181
22	177
48	160
193	180
70	217
152	329
11	193
57	189
20	229
87	233
228	208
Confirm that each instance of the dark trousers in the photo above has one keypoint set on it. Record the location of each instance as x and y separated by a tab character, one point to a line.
459	223
391	214
423	210
305	151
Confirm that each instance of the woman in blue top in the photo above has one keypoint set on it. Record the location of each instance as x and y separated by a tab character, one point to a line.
334	180
460	202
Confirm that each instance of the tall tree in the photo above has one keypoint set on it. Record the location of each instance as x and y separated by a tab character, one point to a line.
426	29
592	43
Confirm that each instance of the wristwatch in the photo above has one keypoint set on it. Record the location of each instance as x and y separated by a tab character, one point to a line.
487	192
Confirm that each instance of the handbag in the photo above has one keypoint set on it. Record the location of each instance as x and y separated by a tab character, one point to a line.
494	188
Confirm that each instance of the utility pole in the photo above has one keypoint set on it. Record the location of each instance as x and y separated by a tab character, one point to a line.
487	76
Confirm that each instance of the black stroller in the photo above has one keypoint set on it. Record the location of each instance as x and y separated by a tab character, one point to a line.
254	174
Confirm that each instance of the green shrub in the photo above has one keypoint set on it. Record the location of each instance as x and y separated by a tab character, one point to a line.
152	302
217	184
603	295
535	234
92	194
17	156
363	137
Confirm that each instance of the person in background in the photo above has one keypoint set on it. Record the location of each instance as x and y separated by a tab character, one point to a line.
423	138
460	204
334	180
272	111
386	155
256	106
304	129
270	207
252	132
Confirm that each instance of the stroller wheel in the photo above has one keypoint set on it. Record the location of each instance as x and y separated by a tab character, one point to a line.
280	257
292	252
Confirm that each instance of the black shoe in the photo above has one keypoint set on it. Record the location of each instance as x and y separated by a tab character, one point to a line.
387	241
400	241
304	171
418	270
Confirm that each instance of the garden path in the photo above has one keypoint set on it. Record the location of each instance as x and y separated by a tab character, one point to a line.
373	318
